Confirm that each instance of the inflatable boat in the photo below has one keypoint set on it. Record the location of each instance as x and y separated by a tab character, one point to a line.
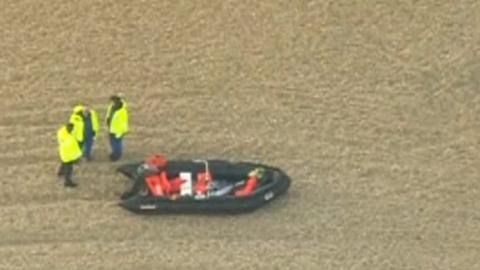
202	186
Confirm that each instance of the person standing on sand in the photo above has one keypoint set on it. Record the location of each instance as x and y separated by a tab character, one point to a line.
85	128
91	130
78	123
69	151
117	123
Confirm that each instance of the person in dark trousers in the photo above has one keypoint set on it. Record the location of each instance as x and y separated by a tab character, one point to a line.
117	123
69	151
90	131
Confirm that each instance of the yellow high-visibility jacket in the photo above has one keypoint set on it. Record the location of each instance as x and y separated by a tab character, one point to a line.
119	120
78	127
94	118
68	146
79	122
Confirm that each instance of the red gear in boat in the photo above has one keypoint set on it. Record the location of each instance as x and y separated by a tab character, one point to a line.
154	184
159	184
157	161
249	187
171	186
254	178
203	180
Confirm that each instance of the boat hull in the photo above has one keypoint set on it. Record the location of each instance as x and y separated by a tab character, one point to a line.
278	184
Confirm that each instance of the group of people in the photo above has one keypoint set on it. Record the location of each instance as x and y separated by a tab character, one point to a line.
77	136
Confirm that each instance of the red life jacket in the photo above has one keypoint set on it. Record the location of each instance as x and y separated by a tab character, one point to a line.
157	161
176	184
249	187
203	179
159	184
154	184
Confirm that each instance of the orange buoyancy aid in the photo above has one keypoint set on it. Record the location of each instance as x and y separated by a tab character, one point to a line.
203	181
157	161
159	184
154	184
249	187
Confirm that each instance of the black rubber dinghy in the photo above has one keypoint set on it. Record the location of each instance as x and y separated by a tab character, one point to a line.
229	175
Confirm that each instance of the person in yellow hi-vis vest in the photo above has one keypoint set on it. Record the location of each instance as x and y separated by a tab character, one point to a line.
78	122
69	151
91	130
117	123
85	128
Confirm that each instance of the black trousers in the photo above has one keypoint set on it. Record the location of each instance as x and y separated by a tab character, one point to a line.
66	170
